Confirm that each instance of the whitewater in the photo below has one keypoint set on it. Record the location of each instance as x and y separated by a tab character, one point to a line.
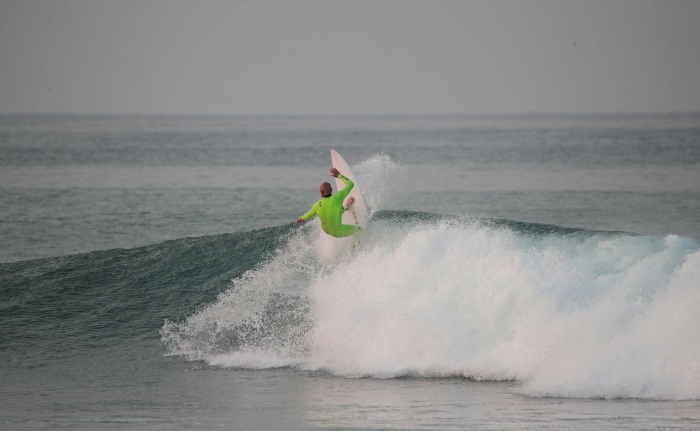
562	312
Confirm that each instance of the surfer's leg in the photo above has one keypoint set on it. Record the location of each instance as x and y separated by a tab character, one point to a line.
346	230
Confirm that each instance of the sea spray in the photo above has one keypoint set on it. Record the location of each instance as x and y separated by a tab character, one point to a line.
266	310
379	177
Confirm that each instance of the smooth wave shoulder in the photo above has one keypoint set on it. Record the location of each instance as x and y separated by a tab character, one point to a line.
123	292
518	227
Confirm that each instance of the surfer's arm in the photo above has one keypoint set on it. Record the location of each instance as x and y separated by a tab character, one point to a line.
348	203
348	186
309	214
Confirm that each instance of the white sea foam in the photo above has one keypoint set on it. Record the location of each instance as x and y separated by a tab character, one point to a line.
563	314
573	316
602	317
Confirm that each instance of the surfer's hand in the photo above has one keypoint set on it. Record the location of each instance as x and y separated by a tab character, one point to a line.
300	221
334	172
349	202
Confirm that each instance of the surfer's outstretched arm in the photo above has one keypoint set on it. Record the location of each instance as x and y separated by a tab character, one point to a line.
308	215
348	184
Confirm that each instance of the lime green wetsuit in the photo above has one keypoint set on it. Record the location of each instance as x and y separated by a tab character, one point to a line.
330	211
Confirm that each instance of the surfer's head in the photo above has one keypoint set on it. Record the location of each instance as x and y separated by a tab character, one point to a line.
325	189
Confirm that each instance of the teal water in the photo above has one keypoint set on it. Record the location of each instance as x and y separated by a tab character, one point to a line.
520	273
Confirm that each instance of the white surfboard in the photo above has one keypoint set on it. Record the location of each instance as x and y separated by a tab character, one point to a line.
357	214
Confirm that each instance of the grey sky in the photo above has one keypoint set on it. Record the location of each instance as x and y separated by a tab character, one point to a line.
355	57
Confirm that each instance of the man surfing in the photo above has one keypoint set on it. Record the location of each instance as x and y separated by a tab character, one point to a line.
330	208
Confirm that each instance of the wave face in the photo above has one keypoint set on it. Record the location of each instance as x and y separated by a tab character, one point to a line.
63	304
564	312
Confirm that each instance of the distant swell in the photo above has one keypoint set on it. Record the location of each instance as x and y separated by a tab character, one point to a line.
564	312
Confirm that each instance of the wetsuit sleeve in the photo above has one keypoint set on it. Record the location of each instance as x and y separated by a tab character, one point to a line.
311	213
346	190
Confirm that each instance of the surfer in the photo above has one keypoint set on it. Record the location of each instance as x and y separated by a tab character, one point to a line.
329	208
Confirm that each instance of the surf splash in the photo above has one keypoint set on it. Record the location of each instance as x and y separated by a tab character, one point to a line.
563	312
591	316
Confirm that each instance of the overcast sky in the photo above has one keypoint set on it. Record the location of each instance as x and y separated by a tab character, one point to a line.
349	57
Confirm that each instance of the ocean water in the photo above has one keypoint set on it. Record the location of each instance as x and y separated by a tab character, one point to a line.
520	272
